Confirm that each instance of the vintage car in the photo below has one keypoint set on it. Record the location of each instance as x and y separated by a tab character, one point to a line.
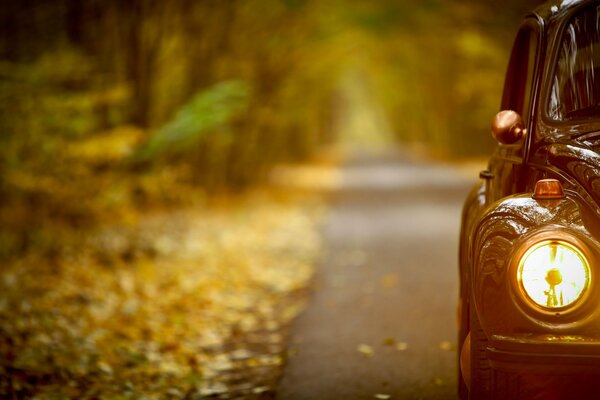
529	306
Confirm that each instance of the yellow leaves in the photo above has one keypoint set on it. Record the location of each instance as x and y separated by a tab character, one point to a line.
391	342
260	389
368	351
401	346
198	280
447	346
365	350
104	368
389	281
264	361
213	389
107	146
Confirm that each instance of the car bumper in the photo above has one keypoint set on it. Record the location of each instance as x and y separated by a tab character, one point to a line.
544	353
544	366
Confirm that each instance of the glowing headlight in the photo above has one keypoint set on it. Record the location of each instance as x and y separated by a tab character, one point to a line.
554	274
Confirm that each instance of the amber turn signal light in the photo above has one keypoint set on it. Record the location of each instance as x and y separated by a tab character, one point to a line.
548	189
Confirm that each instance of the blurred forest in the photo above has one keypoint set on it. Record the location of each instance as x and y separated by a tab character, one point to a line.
109	103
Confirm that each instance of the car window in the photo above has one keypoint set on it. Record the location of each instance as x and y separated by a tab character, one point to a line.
575	92
519	75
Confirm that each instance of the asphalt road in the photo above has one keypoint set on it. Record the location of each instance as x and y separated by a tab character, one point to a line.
382	317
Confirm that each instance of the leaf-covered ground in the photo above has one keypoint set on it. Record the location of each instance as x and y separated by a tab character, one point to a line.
187	303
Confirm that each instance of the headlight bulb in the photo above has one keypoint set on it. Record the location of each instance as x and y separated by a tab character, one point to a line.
554	274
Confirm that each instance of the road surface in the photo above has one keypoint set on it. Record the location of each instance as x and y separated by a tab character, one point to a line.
382	317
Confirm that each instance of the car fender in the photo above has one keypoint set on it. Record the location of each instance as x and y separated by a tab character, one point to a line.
503	229
473	206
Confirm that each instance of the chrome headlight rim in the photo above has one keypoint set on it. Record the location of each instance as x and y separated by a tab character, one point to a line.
537	240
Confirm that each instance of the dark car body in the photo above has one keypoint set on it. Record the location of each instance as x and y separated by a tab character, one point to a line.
541	191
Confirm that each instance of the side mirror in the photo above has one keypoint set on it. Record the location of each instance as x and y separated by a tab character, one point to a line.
507	127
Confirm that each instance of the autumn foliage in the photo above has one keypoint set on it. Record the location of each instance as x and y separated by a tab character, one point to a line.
125	126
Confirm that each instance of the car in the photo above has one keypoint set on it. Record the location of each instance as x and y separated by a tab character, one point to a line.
529	257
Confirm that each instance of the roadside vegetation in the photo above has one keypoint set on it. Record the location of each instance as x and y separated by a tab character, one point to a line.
182	303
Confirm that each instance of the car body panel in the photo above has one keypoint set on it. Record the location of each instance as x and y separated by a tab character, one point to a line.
506	227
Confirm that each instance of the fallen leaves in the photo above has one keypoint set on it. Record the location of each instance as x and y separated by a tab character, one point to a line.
383	396
391	342
368	351
447	346
164	306
365	350
389	281
401	346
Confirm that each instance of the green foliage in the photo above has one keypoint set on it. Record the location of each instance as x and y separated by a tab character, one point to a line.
85	86
208	112
437	70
